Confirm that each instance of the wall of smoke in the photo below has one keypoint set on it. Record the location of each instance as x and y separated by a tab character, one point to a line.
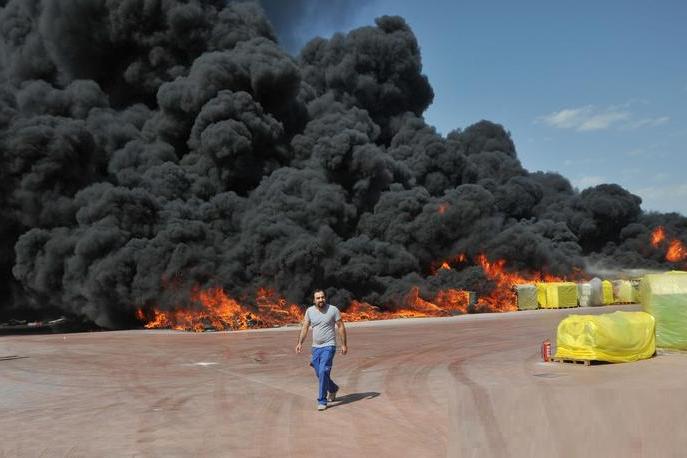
151	147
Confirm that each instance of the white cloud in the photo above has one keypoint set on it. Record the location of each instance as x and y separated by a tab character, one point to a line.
603	120
590	117
668	198
649	122
566	118
588	181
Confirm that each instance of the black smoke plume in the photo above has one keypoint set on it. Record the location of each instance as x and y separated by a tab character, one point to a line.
151	147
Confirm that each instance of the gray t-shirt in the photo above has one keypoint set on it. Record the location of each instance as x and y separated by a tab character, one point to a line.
322	324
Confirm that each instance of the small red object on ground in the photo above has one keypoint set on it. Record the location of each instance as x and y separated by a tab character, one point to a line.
546	350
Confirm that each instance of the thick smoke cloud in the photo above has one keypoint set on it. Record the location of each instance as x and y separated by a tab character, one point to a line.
150	148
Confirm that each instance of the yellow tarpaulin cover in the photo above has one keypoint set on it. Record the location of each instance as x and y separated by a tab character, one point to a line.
607	288
622	291
616	337
665	297
527	297
561	295
557	295
541	295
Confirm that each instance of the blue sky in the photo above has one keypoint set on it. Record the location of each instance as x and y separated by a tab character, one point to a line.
594	90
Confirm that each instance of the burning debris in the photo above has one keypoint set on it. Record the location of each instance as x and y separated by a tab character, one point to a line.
169	164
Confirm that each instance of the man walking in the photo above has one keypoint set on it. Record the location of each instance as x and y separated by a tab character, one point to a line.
323	318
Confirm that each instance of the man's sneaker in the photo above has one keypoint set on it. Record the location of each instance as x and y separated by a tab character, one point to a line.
321	406
331	395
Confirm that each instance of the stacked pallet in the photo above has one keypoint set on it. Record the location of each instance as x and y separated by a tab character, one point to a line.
664	296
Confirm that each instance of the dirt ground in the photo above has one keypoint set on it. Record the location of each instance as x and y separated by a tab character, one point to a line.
470	386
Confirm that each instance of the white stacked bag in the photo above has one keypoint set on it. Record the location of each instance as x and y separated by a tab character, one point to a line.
584	294
596	296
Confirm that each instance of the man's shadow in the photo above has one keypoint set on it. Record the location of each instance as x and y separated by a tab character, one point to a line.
353	397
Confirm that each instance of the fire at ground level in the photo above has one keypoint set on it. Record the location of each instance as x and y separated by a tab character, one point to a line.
468	385
213	309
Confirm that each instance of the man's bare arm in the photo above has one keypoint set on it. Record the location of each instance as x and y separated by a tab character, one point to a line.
303	334
341	330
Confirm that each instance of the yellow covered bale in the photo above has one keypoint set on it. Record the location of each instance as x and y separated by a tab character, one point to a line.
614	337
607	291
636	294
664	296
527	297
622	291
561	295
541	295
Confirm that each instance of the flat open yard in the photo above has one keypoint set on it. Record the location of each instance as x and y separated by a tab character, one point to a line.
462	386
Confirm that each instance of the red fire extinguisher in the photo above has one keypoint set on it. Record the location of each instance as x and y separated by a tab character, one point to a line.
546	350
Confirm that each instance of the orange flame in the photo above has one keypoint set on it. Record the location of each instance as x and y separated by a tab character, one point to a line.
676	251
445	303
362	311
657	236
453	300
443	206
446	265
418	305
214	309
502	298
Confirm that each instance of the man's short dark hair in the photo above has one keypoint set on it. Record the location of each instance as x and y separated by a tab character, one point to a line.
319	291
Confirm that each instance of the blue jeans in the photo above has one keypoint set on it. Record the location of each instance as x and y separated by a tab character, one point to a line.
322	360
